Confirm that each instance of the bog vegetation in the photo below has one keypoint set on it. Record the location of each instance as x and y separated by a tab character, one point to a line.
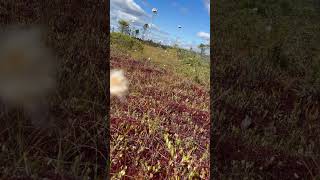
184	62
266	89
77	149
162	129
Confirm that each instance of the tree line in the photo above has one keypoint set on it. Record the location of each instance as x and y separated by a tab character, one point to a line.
124	27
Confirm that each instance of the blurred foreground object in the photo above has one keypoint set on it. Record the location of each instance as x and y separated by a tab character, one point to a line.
27	72
118	83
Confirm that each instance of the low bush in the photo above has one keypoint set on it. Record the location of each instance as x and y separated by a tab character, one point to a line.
125	43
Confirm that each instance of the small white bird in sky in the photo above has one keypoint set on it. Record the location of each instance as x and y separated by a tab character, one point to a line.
154	10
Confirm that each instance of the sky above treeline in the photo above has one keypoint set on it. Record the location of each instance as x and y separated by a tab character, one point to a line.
193	16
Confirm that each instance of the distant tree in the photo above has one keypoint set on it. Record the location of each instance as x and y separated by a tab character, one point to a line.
202	48
145	28
124	26
137	32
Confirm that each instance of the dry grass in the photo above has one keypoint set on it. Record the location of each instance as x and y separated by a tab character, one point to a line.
162	130
270	77
78	148
182	62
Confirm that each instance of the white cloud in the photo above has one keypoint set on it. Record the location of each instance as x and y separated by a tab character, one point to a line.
158	30
145	3
124	15
207	5
203	35
130	11
127	10
186	45
127	6
195	46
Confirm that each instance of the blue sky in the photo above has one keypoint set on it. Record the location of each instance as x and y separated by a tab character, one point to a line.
192	15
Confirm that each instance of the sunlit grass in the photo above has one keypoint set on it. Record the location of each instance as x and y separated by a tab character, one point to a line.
162	130
187	65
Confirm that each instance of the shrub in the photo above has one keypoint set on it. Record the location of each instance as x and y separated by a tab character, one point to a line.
125	43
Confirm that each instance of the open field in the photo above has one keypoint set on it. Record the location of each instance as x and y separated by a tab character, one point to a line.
162	128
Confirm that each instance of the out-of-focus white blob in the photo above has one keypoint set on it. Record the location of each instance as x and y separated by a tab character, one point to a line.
27	71
118	83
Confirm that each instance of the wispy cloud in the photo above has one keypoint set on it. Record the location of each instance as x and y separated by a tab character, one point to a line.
203	35
127	6
130	11
195	47
145	3
207	5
